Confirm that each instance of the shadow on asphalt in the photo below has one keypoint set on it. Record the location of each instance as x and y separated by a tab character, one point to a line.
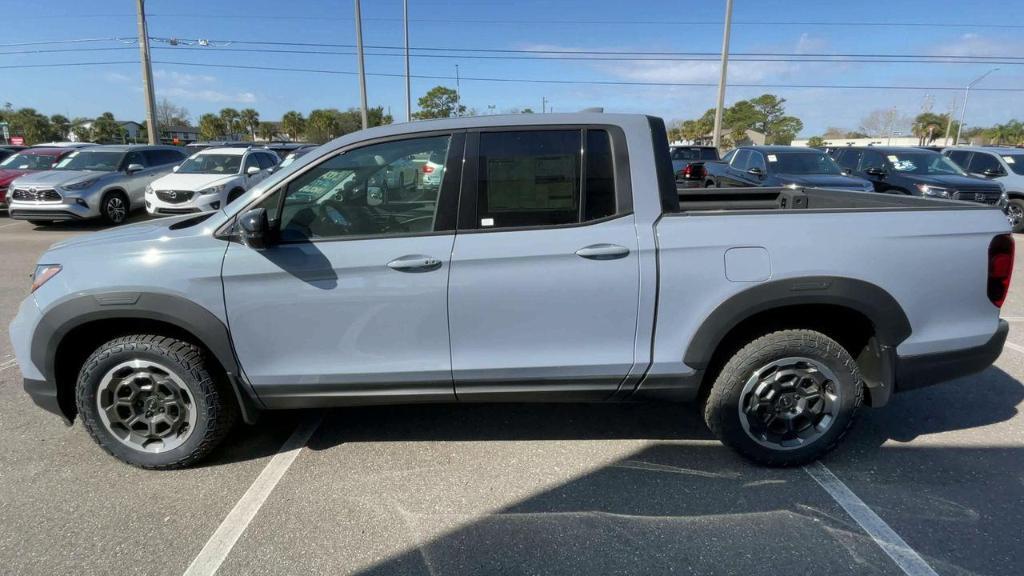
698	508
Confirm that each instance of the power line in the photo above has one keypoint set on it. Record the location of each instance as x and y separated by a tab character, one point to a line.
525	80
70	41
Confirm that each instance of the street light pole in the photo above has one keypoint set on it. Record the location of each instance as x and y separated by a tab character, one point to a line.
963	110
716	135
408	86
147	74
362	70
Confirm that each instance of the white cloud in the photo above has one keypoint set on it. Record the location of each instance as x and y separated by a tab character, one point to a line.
198	88
973	45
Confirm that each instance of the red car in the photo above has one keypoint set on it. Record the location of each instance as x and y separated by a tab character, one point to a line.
25	161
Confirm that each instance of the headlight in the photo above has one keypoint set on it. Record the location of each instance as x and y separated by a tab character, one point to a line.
933	191
43	274
213	189
149	190
80	185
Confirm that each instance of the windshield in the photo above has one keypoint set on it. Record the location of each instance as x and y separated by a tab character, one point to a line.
923	163
1015	162
28	162
211	164
97	160
803	163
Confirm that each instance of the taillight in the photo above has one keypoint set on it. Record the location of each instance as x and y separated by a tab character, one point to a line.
688	171
1000	268
427	168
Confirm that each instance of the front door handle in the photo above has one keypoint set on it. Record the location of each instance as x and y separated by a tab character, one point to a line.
415	263
603	252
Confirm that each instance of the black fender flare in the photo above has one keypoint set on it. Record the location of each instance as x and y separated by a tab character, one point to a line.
885	313
171	309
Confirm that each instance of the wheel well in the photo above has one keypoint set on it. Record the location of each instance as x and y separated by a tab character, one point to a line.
116	191
76	346
850	328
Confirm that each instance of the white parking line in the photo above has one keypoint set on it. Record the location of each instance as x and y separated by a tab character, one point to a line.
887	539
1014	347
11	224
227	534
8	364
1012	318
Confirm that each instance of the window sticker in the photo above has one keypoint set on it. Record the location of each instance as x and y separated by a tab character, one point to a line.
773	158
1009	159
904	165
487	222
893	158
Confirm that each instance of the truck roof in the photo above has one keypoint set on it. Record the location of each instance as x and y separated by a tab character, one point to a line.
780	148
494	121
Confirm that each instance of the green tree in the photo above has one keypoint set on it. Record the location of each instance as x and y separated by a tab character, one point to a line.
106	130
815	141
323	125
231	120
772	121
439	102
268	130
211	127
293	124
61	126
526	111
28	123
250	121
928	126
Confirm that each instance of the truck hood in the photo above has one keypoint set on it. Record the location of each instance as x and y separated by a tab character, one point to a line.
161	229
956	182
54	178
826	181
193	182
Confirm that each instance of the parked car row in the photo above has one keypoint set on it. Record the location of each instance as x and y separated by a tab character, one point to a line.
980	175
59	183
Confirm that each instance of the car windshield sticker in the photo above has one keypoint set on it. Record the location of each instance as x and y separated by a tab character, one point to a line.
773	158
903	165
893	158
1009	159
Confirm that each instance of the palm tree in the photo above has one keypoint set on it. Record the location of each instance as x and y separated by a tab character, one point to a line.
250	121
229	116
293	124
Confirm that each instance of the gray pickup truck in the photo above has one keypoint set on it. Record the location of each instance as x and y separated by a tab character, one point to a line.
555	261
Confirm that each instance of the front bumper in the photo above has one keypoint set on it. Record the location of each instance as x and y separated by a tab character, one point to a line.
926	369
43	391
66	209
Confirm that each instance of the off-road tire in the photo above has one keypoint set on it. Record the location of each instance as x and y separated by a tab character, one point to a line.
722	407
212	401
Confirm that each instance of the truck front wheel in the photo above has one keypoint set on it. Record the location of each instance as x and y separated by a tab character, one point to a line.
151	401
785	398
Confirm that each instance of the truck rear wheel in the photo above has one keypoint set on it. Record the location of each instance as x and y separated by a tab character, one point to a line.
150	401
785	398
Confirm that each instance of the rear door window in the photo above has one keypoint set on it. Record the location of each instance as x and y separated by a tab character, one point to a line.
981	162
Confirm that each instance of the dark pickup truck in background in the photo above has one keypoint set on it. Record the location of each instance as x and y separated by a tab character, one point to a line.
918	172
775	166
686	163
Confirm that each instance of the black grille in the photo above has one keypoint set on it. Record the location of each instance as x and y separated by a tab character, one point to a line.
35	195
177	210
982	196
174	196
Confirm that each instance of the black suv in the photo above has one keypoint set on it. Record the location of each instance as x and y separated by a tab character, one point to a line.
916	171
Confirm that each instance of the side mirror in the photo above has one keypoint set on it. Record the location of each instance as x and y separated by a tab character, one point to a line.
133	168
992	173
175	169
253	228
875	172
846	172
252	170
756	172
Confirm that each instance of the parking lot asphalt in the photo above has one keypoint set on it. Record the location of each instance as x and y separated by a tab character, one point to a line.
519	489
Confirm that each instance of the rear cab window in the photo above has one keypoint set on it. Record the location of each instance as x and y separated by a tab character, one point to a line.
554	177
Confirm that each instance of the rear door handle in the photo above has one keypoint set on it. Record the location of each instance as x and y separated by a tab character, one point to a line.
603	252
415	263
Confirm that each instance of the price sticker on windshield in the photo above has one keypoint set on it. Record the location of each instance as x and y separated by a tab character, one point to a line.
773	158
892	158
1009	159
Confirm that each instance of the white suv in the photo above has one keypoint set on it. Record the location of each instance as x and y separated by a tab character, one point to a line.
1002	164
209	180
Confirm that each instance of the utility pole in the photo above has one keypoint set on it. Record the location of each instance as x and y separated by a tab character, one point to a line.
362	71
458	92
949	121
716	136
543	104
967	92
147	74
408	85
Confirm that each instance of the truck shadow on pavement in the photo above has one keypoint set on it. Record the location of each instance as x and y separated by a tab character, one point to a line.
681	504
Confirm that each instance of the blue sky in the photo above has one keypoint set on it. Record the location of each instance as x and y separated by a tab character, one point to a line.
568	25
